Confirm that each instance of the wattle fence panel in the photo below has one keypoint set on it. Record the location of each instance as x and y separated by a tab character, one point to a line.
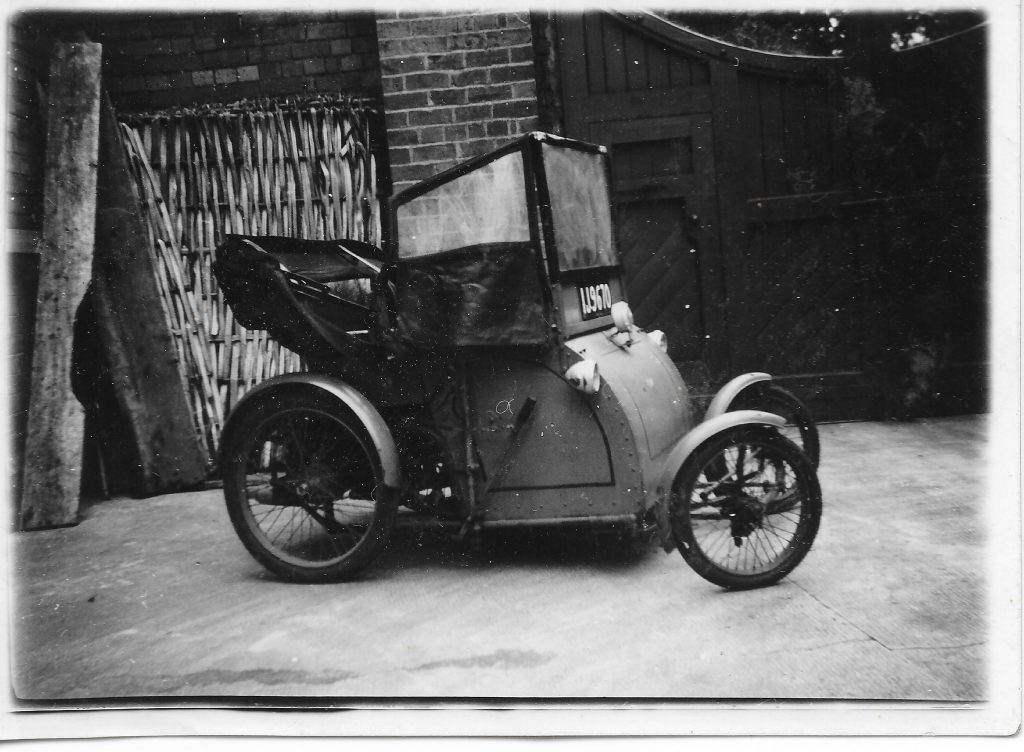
297	169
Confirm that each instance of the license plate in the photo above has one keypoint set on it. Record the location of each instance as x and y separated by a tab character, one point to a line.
595	300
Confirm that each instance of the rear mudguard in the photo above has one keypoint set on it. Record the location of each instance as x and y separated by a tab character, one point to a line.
686	446
725	395
337	390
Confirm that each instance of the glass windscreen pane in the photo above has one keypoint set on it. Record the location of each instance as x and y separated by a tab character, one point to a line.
487	205
580	210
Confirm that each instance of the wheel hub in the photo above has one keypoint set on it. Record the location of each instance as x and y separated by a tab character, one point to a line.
745	516
309	485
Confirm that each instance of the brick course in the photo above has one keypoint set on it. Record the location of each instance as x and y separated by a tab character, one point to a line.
455	85
164	59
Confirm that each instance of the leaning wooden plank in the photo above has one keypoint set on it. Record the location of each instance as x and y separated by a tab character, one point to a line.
53	449
149	378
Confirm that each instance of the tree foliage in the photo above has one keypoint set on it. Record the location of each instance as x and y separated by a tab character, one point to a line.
823	32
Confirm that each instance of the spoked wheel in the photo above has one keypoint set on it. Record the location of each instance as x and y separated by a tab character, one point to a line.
800	427
746	508
304	489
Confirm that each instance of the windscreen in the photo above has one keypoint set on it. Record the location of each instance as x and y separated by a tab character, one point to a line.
487	205
580	207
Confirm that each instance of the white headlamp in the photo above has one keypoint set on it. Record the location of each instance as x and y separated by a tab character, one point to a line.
584	376
622	316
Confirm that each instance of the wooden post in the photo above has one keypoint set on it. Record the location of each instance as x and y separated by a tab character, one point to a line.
53	451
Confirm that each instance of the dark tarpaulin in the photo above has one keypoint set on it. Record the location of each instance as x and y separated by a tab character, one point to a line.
480	295
306	295
253	279
319	260
487	295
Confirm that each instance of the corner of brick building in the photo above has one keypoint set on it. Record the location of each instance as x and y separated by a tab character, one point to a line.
455	86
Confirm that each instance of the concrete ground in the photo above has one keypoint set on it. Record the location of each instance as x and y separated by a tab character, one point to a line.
157	598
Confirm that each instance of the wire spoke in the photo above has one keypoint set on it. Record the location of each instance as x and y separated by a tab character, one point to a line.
302	490
745	508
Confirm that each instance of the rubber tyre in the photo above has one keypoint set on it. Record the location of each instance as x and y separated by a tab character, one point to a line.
709	458
254	426
772	398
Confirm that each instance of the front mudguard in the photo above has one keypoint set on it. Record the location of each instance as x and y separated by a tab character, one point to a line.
336	390
725	395
686	446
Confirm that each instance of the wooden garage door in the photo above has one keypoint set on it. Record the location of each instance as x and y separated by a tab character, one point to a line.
661	168
731	224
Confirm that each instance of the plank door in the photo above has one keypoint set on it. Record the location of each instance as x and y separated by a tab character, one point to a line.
652	109
727	179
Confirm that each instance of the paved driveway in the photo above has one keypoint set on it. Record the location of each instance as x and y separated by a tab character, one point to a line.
156	597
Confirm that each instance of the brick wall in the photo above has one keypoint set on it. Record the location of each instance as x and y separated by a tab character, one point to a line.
160	60
232	56
455	85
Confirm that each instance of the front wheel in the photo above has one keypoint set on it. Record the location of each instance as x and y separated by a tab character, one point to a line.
746	506
304	488
800	427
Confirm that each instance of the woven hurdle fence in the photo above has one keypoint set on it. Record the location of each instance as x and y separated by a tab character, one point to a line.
298	169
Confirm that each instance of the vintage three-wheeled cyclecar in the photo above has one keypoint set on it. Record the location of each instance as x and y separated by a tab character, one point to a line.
483	370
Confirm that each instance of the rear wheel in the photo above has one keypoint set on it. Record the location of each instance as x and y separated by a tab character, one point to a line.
304	488
800	427
746	508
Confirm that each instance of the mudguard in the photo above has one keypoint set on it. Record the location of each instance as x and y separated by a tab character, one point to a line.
725	395
686	445
346	395
673	463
